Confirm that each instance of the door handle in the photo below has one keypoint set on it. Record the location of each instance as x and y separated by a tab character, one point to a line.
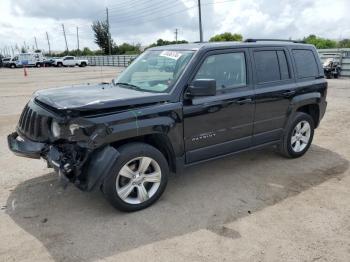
244	101
289	93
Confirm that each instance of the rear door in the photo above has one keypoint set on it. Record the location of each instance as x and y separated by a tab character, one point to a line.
274	89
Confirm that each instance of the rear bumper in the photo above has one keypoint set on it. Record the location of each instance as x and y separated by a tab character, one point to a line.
24	147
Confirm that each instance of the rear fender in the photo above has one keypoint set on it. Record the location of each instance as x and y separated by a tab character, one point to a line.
302	100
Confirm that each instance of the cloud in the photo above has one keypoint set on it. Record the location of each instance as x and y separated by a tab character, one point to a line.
141	21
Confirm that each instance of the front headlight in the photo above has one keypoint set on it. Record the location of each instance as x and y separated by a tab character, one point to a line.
55	129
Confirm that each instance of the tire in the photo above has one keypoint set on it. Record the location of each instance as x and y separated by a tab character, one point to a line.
13	66
289	148
59	64
132	183
38	65
83	64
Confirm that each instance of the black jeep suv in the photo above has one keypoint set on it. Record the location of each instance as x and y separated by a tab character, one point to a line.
175	106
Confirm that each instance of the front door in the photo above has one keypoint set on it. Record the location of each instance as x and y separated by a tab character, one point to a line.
220	124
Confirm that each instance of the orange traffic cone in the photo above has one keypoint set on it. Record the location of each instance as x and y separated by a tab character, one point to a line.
25	71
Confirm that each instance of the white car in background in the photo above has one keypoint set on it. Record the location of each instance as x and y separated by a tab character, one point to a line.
27	60
70	61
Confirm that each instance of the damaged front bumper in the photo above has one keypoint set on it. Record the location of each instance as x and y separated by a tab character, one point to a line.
83	167
24	147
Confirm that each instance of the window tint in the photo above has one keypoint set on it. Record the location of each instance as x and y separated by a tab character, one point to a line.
229	70
271	66
305	63
267	68
282	60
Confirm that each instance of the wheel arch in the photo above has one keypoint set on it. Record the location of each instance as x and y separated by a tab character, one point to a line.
309	104
158	140
313	110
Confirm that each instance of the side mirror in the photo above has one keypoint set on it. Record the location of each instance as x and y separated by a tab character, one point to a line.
202	87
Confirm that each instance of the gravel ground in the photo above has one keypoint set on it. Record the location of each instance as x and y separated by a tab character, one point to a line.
256	206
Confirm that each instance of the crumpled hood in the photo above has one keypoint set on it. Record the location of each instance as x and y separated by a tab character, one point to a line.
95	96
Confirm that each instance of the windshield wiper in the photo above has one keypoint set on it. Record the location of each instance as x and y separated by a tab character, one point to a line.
131	86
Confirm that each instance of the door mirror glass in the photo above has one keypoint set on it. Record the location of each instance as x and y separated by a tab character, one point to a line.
202	87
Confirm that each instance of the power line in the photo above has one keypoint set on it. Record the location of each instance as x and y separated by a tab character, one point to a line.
151	12
147	9
166	15
125	4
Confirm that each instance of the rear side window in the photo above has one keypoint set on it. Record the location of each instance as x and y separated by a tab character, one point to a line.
271	66
305	62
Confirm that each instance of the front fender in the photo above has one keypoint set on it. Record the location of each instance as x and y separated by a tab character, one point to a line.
100	163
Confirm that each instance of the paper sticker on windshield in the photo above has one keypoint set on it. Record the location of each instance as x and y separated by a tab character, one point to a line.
171	54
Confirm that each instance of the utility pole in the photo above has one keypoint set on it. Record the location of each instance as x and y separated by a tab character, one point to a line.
48	42
78	38
65	38
109	33
176	33
36	43
200	21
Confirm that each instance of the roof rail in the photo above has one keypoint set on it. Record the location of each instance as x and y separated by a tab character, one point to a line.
250	40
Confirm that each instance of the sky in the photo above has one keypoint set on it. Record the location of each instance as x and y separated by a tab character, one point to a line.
145	21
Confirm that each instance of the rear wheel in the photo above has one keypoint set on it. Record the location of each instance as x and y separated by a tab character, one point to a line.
13	66
298	137
138	178
38	65
59	64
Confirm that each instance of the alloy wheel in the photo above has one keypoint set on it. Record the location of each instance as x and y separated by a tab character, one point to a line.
300	136
138	180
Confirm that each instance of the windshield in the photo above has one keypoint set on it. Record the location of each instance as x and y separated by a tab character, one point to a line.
155	71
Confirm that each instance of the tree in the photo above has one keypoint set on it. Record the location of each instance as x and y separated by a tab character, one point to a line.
319	42
86	51
126	48
227	36
100	29
345	43
161	42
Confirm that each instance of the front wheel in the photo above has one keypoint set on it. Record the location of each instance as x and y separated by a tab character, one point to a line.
298	136
138	178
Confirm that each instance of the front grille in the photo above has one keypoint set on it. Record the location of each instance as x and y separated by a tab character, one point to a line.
33	125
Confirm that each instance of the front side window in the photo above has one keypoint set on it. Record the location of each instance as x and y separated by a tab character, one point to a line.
229	70
155	71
